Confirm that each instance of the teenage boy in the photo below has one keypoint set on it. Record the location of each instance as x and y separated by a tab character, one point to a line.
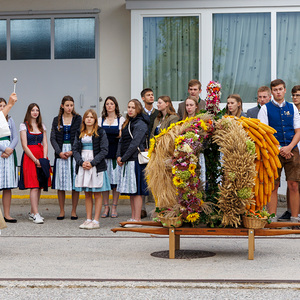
148	99
263	97
194	90
285	119
296	99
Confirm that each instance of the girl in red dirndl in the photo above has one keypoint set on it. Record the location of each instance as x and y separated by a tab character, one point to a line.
35	146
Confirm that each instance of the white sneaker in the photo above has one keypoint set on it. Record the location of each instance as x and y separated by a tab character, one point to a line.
85	224
294	220
92	225
31	216
37	219
274	219
132	225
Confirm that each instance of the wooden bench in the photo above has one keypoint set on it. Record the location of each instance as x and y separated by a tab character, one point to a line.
272	229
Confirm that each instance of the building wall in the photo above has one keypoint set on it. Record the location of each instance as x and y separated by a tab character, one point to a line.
114	45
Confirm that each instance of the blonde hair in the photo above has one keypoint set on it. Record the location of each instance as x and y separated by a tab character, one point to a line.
83	129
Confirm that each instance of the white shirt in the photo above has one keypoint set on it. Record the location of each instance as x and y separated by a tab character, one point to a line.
263	114
148	111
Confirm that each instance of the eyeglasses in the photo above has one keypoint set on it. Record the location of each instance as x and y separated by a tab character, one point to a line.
295	95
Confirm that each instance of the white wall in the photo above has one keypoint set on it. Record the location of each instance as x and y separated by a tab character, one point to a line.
114	34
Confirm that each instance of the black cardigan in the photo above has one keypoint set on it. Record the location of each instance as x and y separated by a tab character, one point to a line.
57	137
100	150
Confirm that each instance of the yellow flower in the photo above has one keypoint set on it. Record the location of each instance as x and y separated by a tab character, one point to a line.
179	140
177	181
174	169
152	146
193	217
203	125
192	168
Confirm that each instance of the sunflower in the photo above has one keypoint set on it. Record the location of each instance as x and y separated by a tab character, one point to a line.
193	217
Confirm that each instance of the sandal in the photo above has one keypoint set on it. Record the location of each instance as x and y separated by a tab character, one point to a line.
114	215
104	215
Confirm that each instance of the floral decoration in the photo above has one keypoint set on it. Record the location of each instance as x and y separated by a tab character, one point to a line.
213	90
186	169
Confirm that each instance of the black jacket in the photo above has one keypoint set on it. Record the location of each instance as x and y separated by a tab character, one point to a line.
100	150
57	137
127	148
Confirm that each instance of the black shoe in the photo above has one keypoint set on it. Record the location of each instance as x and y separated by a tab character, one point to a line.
285	217
143	214
10	220
74	218
60	218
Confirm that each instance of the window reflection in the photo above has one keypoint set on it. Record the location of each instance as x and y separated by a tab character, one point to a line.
30	39
74	38
2	39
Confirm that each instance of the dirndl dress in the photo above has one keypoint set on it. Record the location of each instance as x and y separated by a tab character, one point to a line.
112	133
132	180
28	173
8	167
90	180
64	169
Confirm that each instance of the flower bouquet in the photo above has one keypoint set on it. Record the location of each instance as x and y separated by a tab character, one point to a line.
256	219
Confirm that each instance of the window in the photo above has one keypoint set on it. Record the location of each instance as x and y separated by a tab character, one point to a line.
170	54
242	53
30	39
74	38
3	39
288	48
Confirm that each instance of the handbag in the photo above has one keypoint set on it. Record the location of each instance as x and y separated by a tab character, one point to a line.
4	129
142	155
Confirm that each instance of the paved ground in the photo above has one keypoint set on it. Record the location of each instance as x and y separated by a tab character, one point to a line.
57	260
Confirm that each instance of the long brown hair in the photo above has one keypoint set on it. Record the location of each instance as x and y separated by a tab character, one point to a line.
138	110
170	108
238	99
27	118
3	100
61	110
83	130
196	103
117	109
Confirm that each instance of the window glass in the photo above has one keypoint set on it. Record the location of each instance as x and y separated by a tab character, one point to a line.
288	49
74	38
30	39
170	55
2	39
242	53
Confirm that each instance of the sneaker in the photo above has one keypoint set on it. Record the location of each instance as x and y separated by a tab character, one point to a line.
37	219
294	219
133	225
274	219
31	216
85	224
92	225
285	217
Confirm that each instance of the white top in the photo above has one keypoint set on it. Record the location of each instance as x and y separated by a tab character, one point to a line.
115	123
24	127
263	114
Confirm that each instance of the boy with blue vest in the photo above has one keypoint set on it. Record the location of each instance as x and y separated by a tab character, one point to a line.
285	119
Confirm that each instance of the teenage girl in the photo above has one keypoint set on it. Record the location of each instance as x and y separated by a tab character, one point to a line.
64	128
234	106
111	121
89	150
8	165
132	180
34	158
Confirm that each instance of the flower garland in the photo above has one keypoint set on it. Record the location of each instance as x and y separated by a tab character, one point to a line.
186	169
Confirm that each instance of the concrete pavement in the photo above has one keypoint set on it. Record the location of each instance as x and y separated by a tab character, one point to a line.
58	258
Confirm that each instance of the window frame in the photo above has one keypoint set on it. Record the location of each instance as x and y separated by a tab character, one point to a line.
205	39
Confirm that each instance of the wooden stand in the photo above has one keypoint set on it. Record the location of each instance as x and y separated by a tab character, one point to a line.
175	233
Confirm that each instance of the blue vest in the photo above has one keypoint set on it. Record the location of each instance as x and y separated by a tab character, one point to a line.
282	120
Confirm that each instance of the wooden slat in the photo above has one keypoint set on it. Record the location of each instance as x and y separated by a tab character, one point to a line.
144	223
281	224
150	230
